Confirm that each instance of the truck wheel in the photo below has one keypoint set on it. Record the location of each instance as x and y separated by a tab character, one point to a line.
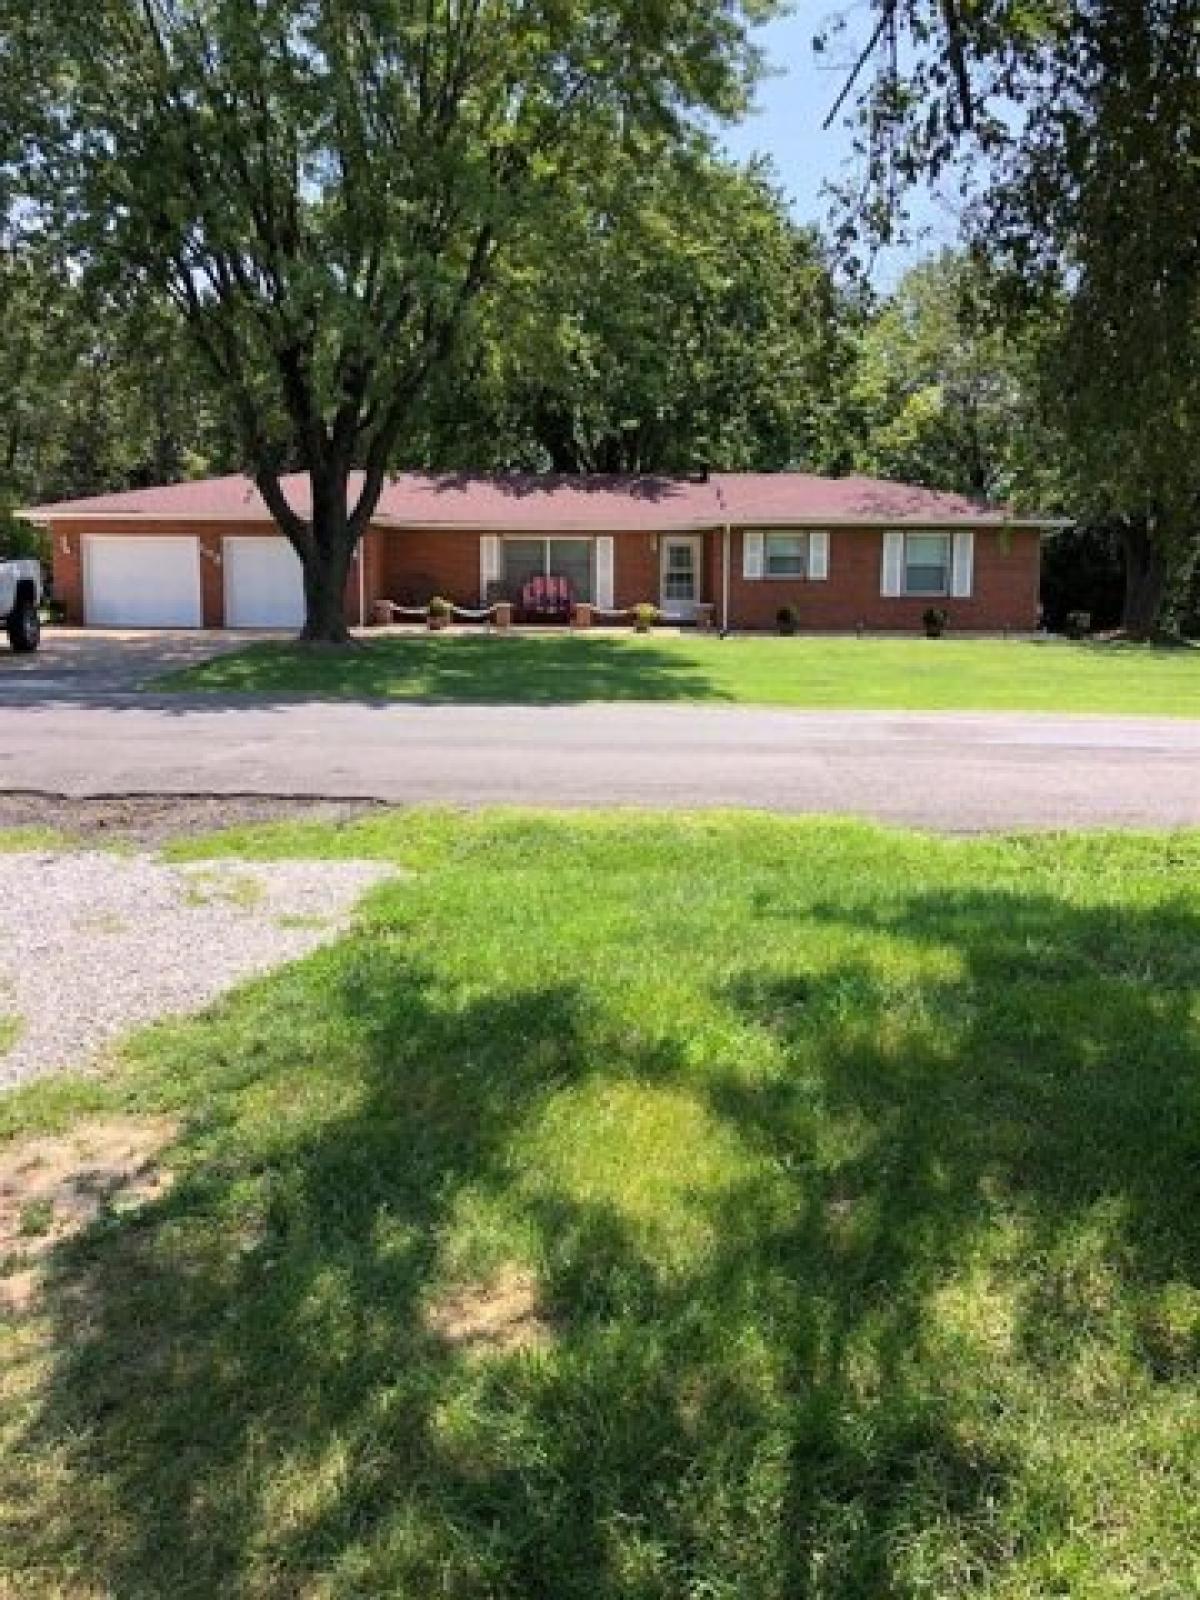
24	627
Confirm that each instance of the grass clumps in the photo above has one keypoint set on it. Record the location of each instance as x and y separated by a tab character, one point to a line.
642	1207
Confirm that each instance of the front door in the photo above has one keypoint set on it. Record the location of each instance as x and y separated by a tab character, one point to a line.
681	574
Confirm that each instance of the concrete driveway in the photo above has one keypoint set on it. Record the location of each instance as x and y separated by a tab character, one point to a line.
74	664
76	725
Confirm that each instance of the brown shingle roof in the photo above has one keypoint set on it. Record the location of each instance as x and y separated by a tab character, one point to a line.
546	503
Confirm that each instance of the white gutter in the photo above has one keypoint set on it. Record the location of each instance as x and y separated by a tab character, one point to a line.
726	538
42	517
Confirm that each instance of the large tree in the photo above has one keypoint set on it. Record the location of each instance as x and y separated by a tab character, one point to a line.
1075	128
680	319
322	190
944	393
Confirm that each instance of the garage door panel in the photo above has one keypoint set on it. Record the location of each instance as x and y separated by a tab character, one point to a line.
142	582
264	583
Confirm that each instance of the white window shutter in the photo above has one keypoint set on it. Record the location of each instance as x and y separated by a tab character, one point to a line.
752	554
604	573
962	571
818	555
892	581
491	563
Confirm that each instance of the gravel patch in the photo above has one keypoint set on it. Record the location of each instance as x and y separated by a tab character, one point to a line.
106	942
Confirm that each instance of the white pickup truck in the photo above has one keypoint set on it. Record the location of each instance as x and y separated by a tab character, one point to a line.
20	597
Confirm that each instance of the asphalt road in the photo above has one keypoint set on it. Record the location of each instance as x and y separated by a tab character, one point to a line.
948	772
74	722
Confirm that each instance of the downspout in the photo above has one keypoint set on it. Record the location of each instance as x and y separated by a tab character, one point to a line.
360	557
725	538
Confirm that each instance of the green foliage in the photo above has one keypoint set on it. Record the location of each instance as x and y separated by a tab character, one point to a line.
95	398
323	191
945	390
1087	115
678	319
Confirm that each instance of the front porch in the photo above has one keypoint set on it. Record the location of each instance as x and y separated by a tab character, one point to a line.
580	616
583	580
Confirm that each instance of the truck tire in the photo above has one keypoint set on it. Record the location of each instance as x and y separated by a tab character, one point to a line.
24	626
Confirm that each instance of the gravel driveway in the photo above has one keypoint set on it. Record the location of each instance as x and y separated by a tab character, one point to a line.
108	941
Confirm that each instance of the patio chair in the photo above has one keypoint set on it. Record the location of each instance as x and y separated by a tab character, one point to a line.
547	599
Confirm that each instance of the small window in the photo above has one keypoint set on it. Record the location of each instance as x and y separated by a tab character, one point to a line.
927	564
785	555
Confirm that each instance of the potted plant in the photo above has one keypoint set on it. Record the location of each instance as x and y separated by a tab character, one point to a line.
644	617
1078	624
440	612
786	619
935	619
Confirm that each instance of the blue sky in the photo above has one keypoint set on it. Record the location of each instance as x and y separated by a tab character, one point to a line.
793	103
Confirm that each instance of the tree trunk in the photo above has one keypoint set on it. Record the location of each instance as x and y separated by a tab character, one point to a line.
326	562
1145	581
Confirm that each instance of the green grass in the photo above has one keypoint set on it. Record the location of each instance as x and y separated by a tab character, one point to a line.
857	1173
882	674
13	840
10	1032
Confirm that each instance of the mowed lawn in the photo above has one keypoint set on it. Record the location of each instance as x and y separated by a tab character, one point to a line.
708	1207
882	674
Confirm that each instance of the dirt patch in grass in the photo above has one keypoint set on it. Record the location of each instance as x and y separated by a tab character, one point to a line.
55	1186
497	1316
157	819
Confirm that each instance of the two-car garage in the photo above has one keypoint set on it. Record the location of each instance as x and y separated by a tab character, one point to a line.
130	581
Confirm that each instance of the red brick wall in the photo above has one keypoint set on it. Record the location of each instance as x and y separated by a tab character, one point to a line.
635	570
402	564
1006	585
417	563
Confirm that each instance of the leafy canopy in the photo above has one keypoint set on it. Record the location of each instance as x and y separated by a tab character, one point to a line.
322	189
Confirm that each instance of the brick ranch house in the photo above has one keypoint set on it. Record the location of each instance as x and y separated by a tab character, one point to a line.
843	553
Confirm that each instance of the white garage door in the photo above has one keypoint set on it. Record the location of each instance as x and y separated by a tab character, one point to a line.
264	584
141	582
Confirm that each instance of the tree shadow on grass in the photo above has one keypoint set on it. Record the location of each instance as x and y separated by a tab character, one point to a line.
1033	1117
466	670
252	1400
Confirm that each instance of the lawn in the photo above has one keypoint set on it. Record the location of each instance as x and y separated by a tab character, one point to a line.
877	674
721	1207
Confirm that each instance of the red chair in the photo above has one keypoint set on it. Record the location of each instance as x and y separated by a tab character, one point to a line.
547	599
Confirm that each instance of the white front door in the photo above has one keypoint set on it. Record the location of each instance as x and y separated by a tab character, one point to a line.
680	554
264	582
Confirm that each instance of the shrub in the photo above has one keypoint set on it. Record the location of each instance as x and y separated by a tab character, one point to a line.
935	619
645	616
786	619
1078	624
439	606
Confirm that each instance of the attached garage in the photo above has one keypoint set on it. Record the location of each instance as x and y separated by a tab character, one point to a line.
264	583
139	582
